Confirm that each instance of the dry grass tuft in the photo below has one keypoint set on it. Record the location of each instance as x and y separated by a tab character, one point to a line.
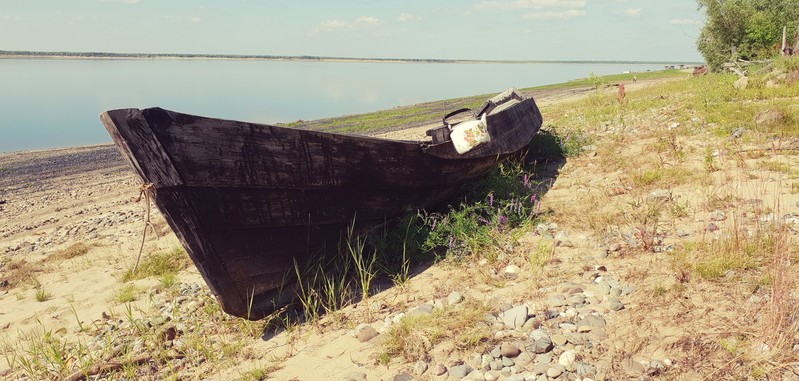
414	337
73	251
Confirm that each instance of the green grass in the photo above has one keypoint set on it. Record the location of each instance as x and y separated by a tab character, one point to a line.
126	294
159	264
431	112
42	295
613	78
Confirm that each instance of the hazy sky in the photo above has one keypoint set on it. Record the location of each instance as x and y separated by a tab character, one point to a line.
477	29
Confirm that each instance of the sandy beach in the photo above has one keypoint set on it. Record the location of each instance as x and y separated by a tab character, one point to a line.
589	313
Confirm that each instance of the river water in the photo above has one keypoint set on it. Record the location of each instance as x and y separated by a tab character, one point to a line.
48	103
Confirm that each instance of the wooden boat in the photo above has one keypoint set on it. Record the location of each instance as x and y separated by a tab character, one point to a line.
248	200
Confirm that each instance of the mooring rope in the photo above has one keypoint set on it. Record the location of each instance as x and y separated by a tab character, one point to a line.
144	191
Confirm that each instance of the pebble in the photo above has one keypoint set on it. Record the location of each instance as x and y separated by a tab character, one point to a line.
366	333
509	350
555	371
541	342
515	317
439	369
420	368
615	305
491	375
460	371
422	310
512	271
717	215
354	376
454	297
559	340
403	377
567	359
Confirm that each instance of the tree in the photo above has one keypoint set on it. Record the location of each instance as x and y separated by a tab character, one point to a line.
752	27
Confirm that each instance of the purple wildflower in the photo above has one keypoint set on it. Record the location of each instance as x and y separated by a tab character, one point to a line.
525	180
502	220
491	199
451	241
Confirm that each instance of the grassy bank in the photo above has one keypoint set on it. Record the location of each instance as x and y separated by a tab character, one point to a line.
431	112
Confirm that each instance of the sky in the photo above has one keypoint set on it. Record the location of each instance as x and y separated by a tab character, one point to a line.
638	30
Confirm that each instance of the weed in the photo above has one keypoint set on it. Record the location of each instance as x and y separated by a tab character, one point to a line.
159	264
541	255
126	294
364	263
42	295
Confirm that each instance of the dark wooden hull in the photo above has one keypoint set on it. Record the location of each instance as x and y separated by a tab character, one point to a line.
248	200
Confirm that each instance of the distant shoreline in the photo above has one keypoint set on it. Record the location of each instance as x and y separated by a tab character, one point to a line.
10	54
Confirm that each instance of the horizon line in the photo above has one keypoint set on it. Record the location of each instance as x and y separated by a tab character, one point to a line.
269	57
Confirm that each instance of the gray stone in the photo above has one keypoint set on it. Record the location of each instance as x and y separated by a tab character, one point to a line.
593	320
542	345
512	271
403	377
454	297
523	360
658	195
491	375
460	371
555	371
567	359
717	215
506	361
496	352
615	305
509	350
515	317
422	310
485	362
354	376
496	365
540	368
439	369
556	300
583	369
366	333
476	375
559	340
420	368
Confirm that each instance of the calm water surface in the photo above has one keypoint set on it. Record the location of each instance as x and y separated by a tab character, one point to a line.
55	103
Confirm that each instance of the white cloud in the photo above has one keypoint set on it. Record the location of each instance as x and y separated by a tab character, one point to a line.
408	17
334	25
632	12
683	21
367	20
532	4
553	15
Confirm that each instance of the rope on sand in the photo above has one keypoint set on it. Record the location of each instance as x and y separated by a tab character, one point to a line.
144	191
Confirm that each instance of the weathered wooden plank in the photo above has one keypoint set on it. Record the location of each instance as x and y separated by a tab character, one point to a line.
140	147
